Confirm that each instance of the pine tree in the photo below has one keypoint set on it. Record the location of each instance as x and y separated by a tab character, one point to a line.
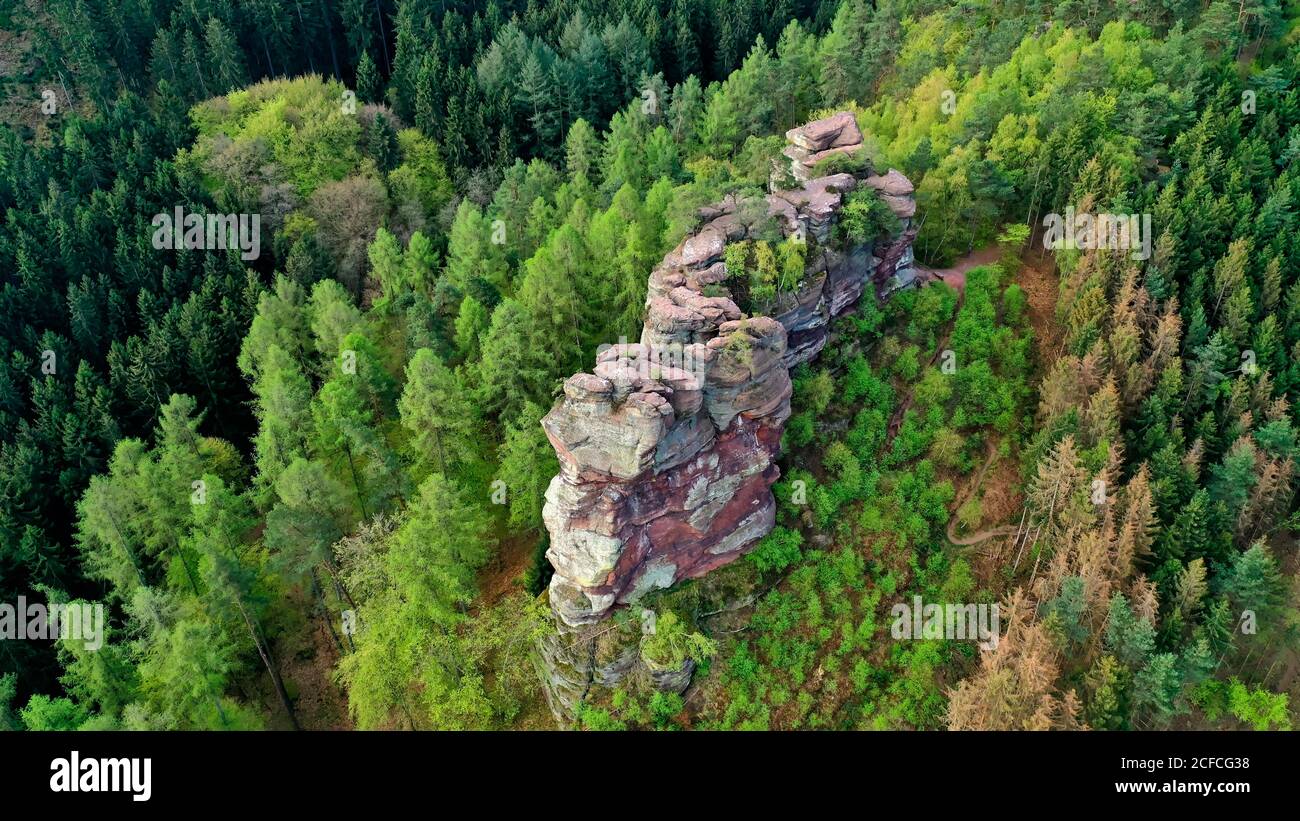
1013	688
1104	685
1138	526
1231	481
1253	581
382	143
1129	638
1191	588
1198	661
1156	687
537	96
1271	286
1188	537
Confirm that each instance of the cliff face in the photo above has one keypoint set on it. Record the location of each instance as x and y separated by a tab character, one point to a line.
667	448
664	471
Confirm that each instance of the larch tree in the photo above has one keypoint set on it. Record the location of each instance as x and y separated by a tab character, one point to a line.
233	571
527	465
283	409
437	413
509	372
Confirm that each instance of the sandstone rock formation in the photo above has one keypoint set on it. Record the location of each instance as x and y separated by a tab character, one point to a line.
664	471
667	448
895	267
820	140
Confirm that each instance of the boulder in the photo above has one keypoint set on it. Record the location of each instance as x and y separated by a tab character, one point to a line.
893	183
836	130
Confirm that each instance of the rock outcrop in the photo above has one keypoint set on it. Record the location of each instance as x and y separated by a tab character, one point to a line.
664	470
895	267
820	140
668	447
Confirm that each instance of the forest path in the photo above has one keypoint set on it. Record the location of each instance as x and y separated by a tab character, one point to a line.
504	572
971	490
955	274
1037	277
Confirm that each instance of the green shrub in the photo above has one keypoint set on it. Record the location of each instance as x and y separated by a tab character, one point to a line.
865	217
671	644
777	550
1013	305
1259	708
799	431
598	720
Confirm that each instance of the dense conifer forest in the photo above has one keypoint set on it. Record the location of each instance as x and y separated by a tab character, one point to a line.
304	478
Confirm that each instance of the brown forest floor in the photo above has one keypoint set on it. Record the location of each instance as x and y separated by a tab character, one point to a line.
504	574
307	657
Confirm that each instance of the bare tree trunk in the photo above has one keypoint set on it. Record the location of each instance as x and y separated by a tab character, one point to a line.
356	483
302	27
342	593
267	51
329	37
264	651
339	587
324	611
383	36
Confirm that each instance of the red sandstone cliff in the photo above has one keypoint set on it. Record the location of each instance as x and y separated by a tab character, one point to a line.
667	449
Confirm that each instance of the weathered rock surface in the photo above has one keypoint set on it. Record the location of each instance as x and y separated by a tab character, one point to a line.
668	447
895	266
837	130
664	470
820	140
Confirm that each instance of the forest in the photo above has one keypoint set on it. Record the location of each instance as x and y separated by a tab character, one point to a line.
307	487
